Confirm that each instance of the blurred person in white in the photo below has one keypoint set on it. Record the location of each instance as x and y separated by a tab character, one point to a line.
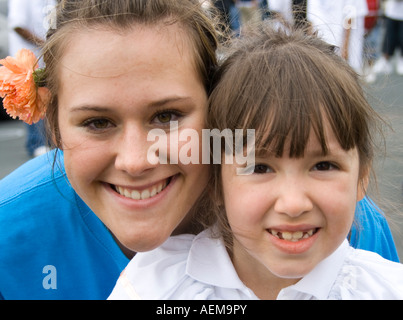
249	11
393	38
28	22
341	23
292	12
283	9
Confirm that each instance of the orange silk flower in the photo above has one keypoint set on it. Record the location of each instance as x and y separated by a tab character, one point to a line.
22	97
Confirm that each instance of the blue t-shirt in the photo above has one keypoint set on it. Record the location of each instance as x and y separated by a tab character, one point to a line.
371	231
52	246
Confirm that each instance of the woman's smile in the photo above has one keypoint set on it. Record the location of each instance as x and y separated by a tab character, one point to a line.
143	192
105	119
145	197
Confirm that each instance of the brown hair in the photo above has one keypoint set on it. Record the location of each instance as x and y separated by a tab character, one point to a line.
283	83
72	15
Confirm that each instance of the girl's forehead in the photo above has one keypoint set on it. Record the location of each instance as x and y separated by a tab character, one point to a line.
318	141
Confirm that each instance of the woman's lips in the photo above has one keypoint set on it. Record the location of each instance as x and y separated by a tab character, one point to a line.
140	196
143	193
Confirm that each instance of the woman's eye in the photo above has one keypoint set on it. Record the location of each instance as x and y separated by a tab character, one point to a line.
97	124
324	166
166	117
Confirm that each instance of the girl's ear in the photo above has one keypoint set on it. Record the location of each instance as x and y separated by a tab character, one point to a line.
363	183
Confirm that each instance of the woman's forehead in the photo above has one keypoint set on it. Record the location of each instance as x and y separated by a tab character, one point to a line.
102	52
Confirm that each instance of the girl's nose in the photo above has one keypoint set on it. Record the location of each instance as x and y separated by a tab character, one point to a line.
293	198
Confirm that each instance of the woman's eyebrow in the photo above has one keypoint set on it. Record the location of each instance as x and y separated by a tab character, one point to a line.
153	104
86	108
169	100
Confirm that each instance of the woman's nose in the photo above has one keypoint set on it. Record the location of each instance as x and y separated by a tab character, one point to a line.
131	152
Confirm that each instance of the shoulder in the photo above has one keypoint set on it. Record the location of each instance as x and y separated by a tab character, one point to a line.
34	174
40	213
184	267
37	187
155	274
371	231
366	275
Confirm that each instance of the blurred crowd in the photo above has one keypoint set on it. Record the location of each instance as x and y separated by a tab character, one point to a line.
368	33
24	24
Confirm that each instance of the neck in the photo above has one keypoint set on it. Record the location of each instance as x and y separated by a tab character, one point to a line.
264	284
126	251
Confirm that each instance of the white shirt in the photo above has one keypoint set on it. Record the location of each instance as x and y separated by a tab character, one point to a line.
394	9
284	7
37	16
199	268
329	17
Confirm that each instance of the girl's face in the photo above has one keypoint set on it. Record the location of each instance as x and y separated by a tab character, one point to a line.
290	214
114	88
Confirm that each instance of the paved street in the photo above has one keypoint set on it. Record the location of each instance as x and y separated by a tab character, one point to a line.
389	171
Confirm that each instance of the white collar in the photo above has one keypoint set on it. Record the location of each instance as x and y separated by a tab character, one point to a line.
206	253
318	283
209	262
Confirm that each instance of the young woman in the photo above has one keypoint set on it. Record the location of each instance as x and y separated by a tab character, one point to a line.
115	70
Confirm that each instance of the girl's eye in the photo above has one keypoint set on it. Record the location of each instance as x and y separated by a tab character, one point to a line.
261	168
324	166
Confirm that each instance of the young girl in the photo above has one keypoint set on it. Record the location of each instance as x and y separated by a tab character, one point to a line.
280	229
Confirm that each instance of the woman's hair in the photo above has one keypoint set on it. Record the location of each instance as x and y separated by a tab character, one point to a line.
196	20
285	83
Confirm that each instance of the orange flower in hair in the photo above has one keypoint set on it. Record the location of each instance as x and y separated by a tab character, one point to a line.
19	79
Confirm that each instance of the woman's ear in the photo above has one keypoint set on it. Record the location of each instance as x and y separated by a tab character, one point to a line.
363	183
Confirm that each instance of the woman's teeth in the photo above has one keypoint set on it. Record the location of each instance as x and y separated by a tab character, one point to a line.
144	194
293	236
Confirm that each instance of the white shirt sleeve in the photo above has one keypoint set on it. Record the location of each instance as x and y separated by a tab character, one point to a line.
367	276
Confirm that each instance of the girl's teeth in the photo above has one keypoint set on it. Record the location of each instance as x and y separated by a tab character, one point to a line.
292	236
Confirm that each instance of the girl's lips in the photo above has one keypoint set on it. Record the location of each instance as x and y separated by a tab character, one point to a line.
293	236
294	242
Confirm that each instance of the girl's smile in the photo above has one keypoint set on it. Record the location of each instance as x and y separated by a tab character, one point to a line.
291	213
293	242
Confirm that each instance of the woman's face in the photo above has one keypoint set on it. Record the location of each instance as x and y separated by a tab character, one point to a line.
114	88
